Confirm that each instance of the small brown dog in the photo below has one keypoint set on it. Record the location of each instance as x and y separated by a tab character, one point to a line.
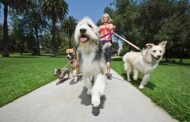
61	73
73	58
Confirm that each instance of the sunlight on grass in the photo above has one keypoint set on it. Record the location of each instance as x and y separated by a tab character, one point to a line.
168	87
22	74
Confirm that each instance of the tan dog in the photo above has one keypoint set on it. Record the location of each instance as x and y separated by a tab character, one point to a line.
73	58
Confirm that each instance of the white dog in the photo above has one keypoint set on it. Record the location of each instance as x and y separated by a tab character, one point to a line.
92	64
144	62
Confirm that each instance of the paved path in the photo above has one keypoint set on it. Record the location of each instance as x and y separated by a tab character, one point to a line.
68	102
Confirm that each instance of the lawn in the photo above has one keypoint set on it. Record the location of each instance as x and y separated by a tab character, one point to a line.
20	75
168	87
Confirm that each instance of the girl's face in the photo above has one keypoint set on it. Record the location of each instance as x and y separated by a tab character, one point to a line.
105	19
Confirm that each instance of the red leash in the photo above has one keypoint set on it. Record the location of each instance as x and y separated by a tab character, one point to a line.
105	35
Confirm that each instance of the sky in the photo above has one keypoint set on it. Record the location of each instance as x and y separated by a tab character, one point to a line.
81	8
91	8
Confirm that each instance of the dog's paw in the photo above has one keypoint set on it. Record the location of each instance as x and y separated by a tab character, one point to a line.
95	111
141	87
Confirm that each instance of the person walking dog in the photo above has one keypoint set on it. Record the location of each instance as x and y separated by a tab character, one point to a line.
106	30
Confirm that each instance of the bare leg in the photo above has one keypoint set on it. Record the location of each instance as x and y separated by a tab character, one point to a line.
144	81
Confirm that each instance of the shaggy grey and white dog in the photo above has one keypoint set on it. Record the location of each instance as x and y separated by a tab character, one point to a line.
92	64
144	62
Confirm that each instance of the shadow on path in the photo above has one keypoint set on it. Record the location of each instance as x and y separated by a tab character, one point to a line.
136	83
73	80
86	100
62	81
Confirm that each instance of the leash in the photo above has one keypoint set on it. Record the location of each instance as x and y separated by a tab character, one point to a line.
65	65
127	41
105	35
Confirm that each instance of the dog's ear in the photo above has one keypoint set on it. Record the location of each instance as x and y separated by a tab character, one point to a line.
67	50
149	45
163	44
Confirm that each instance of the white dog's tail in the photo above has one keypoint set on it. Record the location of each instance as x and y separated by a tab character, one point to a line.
126	62
125	57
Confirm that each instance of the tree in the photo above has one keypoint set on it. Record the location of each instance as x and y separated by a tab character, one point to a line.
55	10
1	36
115	47
15	4
124	50
35	22
152	21
5	30
17	35
68	26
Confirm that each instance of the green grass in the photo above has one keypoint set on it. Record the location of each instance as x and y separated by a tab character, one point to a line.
20	75
168	87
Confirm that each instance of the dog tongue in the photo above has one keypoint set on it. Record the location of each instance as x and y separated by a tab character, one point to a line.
83	39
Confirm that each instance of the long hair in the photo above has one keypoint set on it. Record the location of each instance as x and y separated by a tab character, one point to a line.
109	18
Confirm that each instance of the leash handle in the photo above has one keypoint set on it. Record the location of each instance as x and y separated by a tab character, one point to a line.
127	41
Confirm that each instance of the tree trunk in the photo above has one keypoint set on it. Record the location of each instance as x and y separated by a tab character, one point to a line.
21	47
37	41
5	32
180	55
53	39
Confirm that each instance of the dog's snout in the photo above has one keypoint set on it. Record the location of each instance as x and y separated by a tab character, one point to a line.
82	30
158	56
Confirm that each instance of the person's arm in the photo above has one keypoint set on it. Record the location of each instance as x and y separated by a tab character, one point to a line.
113	27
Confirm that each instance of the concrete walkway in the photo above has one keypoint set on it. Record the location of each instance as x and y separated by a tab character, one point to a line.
68	102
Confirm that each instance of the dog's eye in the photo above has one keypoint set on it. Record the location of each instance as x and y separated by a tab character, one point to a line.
154	51
90	25
160	51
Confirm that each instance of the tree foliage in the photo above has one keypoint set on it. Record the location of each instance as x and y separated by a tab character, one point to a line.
68	26
54	10
153	21
15	5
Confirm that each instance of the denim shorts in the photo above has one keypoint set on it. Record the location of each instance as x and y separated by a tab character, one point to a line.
107	53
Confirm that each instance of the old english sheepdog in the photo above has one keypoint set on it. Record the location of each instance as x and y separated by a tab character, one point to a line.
92	64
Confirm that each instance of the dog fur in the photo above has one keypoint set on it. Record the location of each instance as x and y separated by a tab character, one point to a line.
61	73
73	63
92	63
144	62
